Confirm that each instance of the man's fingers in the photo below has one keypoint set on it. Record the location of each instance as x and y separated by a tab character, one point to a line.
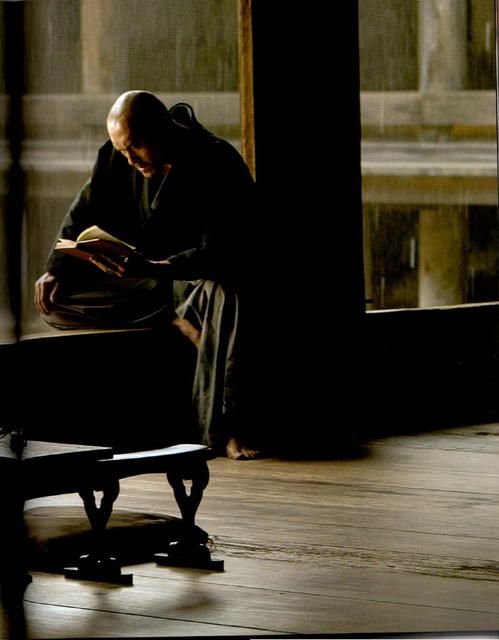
40	303
108	265
45	289
53	293
38	298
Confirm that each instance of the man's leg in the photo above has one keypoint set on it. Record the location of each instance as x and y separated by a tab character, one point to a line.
206	312
117	303
209	314
130	304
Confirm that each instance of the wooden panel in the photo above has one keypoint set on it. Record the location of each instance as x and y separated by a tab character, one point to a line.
403	108
424	189
460	107
66	116
390	108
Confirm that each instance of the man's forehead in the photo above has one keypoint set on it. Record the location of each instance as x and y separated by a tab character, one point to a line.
119	129
118	125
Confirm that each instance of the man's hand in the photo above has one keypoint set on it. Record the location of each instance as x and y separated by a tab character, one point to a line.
112	266
135	266
45	291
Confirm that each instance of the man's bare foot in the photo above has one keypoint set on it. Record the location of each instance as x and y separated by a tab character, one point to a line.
188	329
237	451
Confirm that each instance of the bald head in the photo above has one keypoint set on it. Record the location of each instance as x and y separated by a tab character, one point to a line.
145	115
137	124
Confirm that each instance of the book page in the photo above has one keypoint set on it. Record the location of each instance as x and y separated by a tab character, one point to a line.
64	243
96	233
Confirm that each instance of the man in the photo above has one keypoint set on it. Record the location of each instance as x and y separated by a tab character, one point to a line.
184	198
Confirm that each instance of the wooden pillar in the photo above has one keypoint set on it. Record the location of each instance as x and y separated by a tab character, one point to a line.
308	176
442	258
14	204
246	85
442	45
368	258
103	46
443	49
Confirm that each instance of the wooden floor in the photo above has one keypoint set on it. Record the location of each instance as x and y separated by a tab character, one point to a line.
404	538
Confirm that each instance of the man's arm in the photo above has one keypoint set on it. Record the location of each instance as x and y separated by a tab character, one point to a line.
79	216
227	202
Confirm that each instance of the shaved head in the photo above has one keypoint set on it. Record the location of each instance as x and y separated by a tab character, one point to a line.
137	124
142	112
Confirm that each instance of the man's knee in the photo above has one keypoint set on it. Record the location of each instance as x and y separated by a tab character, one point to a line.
204	300
64	320
221	298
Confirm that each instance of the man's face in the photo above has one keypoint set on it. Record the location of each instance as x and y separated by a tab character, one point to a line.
140	155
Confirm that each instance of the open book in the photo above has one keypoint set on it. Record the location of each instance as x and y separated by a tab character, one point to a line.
94	240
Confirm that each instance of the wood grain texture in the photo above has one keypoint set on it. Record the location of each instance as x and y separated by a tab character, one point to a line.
403	538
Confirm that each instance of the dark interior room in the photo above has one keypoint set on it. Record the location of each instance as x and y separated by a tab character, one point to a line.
370	129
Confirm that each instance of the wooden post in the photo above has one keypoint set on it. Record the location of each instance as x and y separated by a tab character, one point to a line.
442	261
102	40
442	45
442	231
246	85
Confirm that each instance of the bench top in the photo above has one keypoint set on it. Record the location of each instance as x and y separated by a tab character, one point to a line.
47	451
173	450
53	468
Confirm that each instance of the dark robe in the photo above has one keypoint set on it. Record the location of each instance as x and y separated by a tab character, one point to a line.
199	217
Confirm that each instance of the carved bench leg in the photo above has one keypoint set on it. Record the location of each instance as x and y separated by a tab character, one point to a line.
190	549
99	564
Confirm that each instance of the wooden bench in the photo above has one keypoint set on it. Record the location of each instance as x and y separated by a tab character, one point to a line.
99	406
41	469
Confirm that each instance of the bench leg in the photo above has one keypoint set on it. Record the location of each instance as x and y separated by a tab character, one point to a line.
99	564
190	549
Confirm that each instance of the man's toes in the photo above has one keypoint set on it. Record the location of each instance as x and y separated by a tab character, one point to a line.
236	451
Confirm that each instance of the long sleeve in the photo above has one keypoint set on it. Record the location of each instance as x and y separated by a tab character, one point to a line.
225	210
202	221
103	200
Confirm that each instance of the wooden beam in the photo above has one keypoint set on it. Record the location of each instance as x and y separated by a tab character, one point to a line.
246	85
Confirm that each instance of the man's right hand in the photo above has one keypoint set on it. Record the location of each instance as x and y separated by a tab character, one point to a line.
45	290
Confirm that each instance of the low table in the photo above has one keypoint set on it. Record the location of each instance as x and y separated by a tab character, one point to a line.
41	469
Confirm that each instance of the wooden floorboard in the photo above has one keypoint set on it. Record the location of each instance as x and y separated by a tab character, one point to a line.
403	538
241	610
